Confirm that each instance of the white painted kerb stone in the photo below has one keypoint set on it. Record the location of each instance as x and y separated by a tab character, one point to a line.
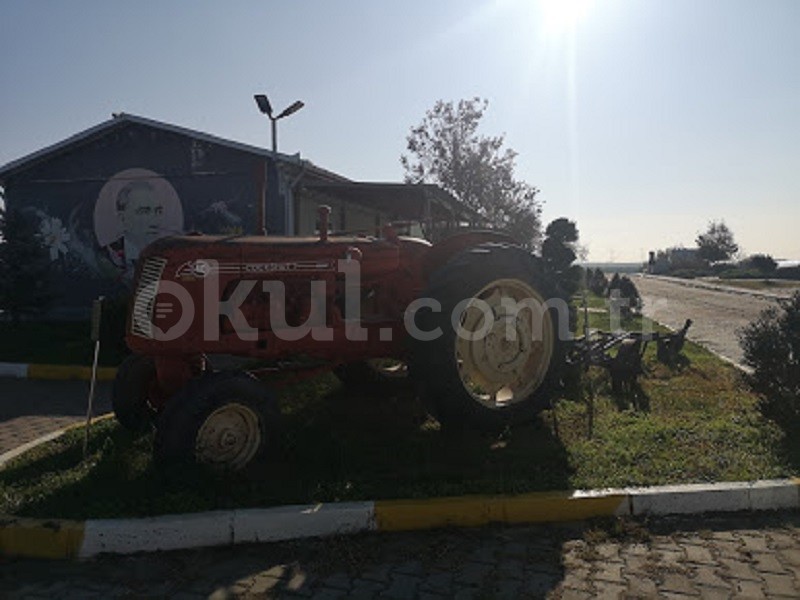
774	494
16	370
170	532
301	521
714	497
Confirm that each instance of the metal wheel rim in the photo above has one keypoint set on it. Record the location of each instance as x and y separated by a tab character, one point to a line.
229	437
498	370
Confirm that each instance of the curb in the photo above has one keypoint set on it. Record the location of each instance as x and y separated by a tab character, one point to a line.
7	457
695	283
73	539
54	372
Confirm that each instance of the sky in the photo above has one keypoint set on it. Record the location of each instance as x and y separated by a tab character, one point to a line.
642	120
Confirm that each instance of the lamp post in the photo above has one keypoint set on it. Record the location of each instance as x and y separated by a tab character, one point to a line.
265	107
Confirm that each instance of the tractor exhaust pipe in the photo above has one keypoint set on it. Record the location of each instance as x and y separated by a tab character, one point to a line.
324	213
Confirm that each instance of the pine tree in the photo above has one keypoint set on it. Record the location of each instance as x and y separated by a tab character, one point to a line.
24	267
558	254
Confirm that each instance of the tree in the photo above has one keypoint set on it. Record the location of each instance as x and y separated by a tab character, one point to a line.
717	242
24	266
597	281
559	254
763	263
447	149
558	248
625	292
613	284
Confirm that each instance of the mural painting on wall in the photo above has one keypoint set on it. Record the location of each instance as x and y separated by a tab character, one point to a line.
135	207
102	236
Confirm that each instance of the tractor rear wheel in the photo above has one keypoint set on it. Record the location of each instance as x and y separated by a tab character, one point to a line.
132	391
497	357
223	420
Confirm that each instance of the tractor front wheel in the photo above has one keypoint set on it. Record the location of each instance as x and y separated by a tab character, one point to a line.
223	420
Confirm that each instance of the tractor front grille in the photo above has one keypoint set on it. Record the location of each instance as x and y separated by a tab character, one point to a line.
145	299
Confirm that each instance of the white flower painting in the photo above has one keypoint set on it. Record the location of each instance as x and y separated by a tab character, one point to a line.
54	236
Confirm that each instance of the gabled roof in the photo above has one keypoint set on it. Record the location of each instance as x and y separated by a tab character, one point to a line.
120	119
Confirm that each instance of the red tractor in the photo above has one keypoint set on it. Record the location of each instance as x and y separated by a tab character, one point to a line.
472	317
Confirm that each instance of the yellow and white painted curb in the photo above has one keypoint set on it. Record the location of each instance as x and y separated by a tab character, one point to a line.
71	539
39	538
471	511
57	372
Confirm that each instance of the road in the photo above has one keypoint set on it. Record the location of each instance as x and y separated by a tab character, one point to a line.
716	315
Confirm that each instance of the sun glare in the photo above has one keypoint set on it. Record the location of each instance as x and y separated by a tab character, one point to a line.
562	15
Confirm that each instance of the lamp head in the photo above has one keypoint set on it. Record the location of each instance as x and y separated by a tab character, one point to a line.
263	104
293	108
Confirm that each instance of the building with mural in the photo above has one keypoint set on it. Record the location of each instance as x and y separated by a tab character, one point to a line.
103	194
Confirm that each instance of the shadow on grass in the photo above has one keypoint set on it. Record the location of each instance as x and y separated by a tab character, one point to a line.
679	364
631	396
337	446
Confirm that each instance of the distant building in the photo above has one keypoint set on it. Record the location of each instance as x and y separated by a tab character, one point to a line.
103	194
672	259
788	264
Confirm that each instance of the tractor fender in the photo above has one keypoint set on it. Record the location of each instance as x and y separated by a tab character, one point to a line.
445	249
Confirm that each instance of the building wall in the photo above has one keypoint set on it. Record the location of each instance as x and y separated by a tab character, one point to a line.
344	216
102	200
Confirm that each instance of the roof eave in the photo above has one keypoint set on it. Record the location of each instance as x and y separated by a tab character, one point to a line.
29	160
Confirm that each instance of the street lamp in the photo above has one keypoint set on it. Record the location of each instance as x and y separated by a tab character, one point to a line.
265	107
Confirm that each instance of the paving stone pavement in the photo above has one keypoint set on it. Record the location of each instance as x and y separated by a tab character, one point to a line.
743	556
30	409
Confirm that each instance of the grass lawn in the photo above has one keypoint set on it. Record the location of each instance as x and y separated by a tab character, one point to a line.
694	423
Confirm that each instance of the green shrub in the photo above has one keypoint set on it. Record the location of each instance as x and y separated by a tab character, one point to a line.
763	263
771	346
624	290
787	273
688	273
597	281
741	273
